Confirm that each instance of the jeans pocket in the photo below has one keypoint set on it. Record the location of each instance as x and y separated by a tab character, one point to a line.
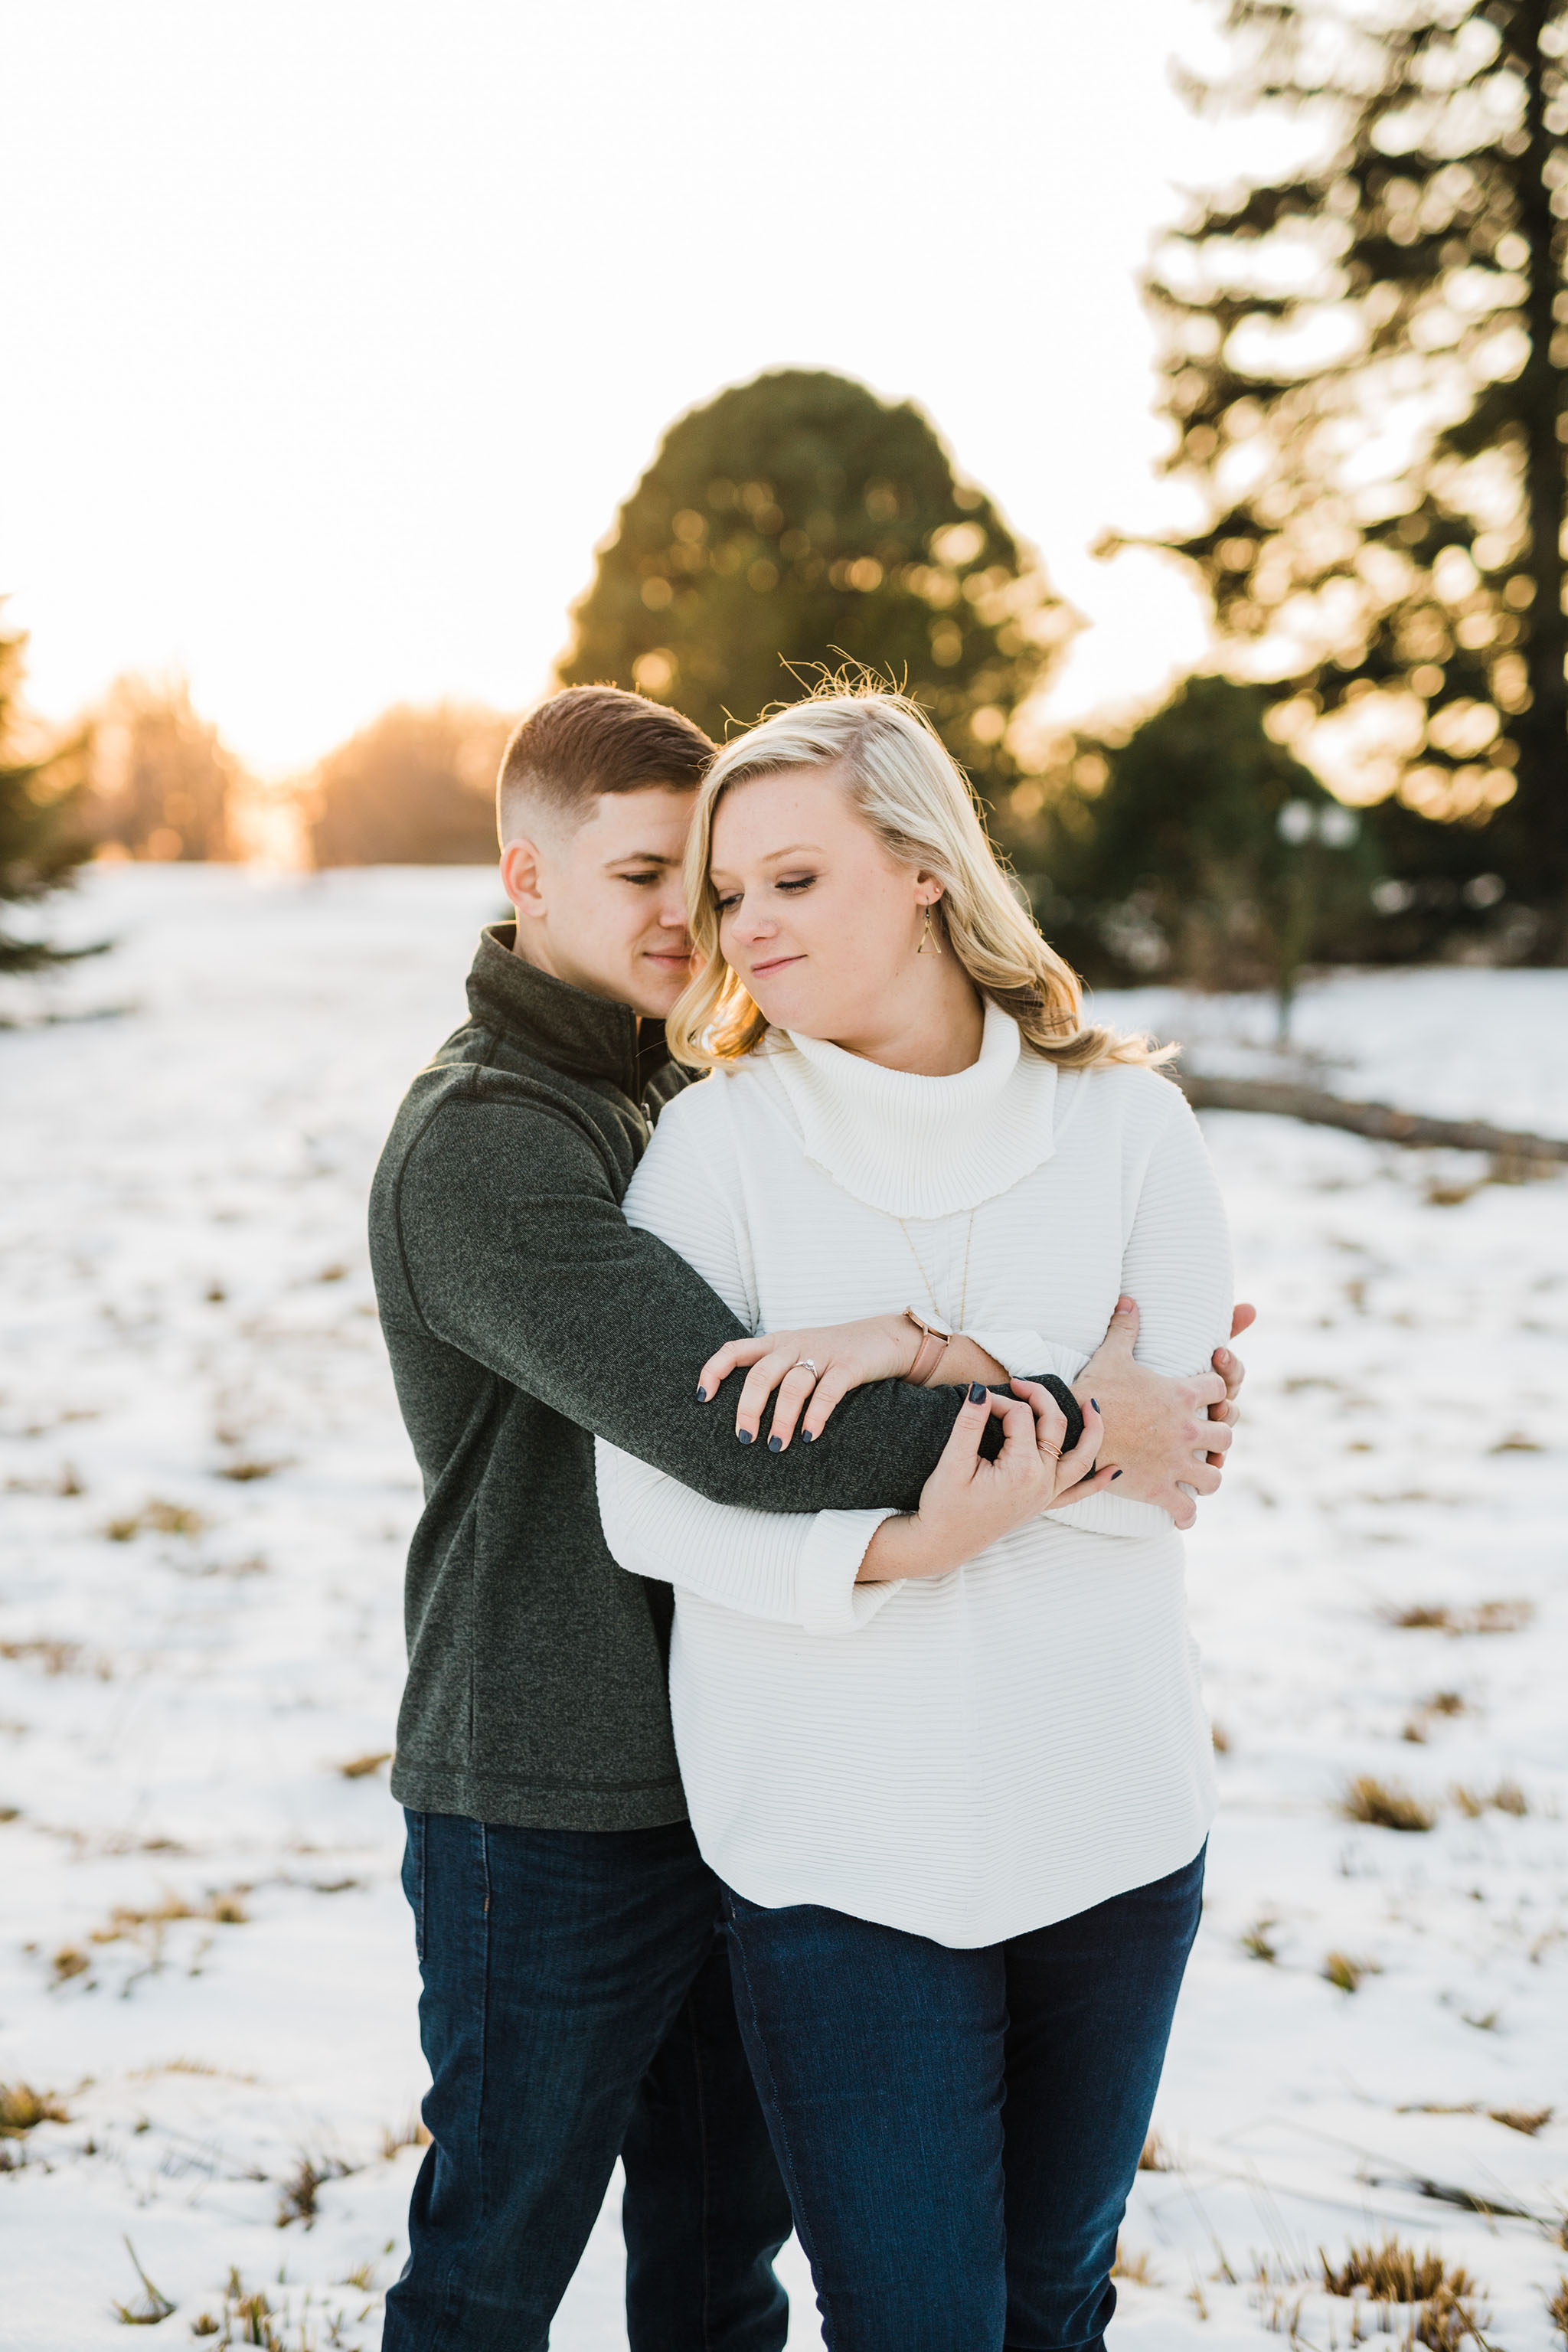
414	1878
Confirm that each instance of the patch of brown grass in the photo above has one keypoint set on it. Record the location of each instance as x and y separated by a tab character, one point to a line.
1257	1942
297	2203
22	2107
1134	2266
156	1517
1341	1971
1392	2272
1508	1797
1155	2157
57	1657
1384	1807
360	1768
1486	1617
1557	2308
1528	2120
69	1961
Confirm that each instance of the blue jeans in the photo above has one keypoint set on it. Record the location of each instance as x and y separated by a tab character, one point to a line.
578	2007
959	2129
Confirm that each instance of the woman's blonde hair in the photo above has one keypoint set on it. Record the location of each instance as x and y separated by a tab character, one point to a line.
903	784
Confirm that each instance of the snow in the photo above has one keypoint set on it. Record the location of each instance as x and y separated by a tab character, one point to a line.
186	1296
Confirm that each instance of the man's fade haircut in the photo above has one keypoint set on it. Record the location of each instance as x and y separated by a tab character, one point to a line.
589	740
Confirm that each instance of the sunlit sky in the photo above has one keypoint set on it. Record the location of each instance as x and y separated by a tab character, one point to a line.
336	332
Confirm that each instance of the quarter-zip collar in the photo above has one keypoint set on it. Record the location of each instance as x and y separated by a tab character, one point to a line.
583	1036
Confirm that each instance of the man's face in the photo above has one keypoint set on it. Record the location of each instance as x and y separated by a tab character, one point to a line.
603	907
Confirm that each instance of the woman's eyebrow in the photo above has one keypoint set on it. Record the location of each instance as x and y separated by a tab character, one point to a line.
796	849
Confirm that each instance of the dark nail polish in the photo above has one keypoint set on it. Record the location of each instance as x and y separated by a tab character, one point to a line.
701	1396
807	1436
1114	1475
745	1435
977	1392
1094	1404
775	1445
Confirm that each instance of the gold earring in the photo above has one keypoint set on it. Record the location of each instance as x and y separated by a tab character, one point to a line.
925	935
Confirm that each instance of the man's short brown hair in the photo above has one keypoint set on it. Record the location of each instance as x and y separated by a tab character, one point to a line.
589	740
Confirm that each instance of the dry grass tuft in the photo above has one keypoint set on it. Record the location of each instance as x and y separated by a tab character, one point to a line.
226	1908
156	1517
150	2308
1393	2272
69	1962
411	2134
1508	1797
1155	2156
297	2203
1257	1942
57	1657
21	2107
242	1472
1383	1807
360	1768
1557	2308
1528	2120
1341	1970
1134	2266
1221	1739
1486	1617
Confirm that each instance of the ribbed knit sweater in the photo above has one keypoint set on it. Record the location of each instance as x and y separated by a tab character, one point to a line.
971	1756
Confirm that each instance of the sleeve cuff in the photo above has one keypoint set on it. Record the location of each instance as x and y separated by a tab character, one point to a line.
830	1601
1027	1355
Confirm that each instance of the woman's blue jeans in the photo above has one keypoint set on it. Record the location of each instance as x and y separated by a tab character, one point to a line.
959	2131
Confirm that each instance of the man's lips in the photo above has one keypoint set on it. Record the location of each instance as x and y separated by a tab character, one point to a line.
669	955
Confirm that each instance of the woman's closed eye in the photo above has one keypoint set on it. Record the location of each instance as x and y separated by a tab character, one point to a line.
794	882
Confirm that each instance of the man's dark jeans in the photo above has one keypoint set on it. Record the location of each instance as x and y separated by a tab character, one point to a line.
578	2007
960	2129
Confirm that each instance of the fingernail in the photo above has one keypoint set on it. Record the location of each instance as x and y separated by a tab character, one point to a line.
1094	1404
1124	1307
807	1436
701	1396
977	1392
775	1445
1114	1475
1222	1357
745	1435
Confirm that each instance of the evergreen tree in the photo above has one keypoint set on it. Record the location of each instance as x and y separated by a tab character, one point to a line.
796	521
42	840
1205	851
1367	362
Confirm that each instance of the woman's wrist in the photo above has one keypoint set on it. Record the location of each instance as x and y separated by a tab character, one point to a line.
900	1549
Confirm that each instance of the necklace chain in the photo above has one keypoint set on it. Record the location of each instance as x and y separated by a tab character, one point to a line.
930	1294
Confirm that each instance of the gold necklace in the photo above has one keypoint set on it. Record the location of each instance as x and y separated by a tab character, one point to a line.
930	1294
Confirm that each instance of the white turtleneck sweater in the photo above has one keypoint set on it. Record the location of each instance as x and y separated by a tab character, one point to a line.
971	1756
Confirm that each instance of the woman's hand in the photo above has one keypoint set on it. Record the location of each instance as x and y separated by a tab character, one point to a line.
967	1503
846	1355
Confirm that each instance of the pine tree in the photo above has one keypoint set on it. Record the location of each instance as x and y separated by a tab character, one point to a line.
1366	360
42	842
797	520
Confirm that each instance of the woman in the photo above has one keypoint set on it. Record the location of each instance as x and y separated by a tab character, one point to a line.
951	1768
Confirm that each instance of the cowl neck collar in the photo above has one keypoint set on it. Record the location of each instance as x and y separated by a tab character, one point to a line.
919	1147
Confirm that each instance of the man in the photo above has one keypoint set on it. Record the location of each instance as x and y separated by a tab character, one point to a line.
576	2002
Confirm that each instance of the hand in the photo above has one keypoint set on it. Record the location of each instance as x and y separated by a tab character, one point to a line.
967	1503
1168	1435
1232	1372
846	1355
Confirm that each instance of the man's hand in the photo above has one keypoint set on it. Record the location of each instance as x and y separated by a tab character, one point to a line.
1169	1435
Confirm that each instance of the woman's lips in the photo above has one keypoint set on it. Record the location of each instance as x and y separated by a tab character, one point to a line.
778	964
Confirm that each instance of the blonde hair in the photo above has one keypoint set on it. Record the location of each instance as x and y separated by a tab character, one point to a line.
903	784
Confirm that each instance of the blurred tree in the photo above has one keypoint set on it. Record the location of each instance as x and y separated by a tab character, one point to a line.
797	520
414	788
42	838
1366	360
162	777
1201	849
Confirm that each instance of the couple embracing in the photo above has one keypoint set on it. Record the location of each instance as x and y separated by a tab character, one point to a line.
806	1775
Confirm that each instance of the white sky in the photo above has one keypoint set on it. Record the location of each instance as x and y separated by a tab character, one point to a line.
337	330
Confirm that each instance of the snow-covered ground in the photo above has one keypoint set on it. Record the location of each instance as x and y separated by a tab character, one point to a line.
204	1962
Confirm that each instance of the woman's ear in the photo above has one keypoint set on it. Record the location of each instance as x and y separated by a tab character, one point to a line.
929	889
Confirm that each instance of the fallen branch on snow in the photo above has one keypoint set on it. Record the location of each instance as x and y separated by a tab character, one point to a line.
1379	1120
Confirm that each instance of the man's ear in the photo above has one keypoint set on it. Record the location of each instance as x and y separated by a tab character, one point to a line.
523	878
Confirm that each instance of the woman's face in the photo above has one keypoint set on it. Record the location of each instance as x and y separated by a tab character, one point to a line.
815	918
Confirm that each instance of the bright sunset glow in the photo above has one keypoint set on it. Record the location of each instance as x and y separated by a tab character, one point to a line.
340	333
